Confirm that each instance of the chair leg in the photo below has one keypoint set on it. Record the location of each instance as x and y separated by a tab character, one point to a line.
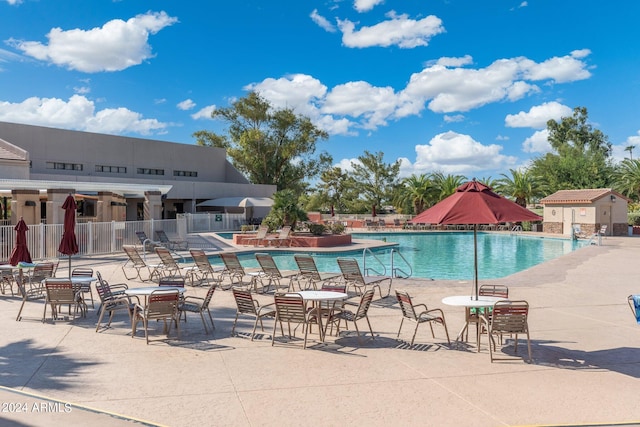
233	328
400	328
414	333
370	329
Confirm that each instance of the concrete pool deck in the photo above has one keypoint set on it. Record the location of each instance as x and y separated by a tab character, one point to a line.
585	370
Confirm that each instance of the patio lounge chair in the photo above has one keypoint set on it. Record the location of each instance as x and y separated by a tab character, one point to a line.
61	292
272	274
236	272
112	299
283	238
309	274
33	292
509	317
84	288
473	314
170	267
259	238
423	316
353	276
138	264
204	271
170	244
146	242
248	306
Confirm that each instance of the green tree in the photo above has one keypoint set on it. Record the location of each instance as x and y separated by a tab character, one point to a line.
269	146
446	184
416	191
521	186
333	186
581	156
626	178
374	179
630	149
286	210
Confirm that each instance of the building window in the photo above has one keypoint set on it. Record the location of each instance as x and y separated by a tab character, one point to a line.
64	166
111	169
191	174
147	171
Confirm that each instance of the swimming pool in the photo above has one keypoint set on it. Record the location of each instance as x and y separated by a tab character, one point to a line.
441	255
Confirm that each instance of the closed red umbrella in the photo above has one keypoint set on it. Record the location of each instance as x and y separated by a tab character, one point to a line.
332	212
69	244
373	211
474	203
20	252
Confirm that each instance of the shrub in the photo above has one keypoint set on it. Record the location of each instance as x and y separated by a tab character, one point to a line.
633	218
317	229
337	228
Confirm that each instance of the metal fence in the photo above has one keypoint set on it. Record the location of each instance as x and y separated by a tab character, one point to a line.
95	238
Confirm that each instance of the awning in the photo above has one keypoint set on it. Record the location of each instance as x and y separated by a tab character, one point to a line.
242	202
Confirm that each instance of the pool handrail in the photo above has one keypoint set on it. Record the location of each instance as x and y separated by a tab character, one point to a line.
394	270
366	270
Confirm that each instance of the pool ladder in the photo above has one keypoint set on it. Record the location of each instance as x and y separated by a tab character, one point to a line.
395	271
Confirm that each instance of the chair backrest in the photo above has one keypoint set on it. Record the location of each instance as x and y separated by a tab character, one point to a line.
134	255
142	236
201	260
162	304
165	257
268	265
59	290
231	262
331	287
244	301
406	305
603	230
82	272
207	298
307	266
262	232
365	303
501	291
42	271
634	304
175	283
284	232
162	236
350	270
509	317
290	308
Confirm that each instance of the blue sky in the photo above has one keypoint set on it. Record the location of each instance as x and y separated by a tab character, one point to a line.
453	86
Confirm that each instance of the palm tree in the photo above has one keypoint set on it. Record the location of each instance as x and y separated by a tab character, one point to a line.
630	148
627	178
416	190
521	185
446	184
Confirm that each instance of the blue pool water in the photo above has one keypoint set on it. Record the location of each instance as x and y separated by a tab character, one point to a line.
440	255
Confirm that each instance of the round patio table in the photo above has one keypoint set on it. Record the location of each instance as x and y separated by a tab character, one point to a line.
317	297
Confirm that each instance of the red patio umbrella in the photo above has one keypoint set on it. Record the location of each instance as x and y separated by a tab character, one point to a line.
474	203
20	252
373	211
69	244
332	212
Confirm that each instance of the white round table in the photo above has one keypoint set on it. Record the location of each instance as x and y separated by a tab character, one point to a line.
317	297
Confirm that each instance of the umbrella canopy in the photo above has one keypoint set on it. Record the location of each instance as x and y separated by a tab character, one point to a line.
69	244
20	251
242	202
474	203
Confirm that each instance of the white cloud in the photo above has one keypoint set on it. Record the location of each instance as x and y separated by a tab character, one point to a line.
453	119
204	113
14	2
82	90
445	86
538	116
187	104
559	69
365	5
537	143
115	46
399	31
346	164
322	22
78	113
455	153
620	153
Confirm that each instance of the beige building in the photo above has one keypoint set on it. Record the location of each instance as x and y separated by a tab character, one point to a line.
587	209
115	177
